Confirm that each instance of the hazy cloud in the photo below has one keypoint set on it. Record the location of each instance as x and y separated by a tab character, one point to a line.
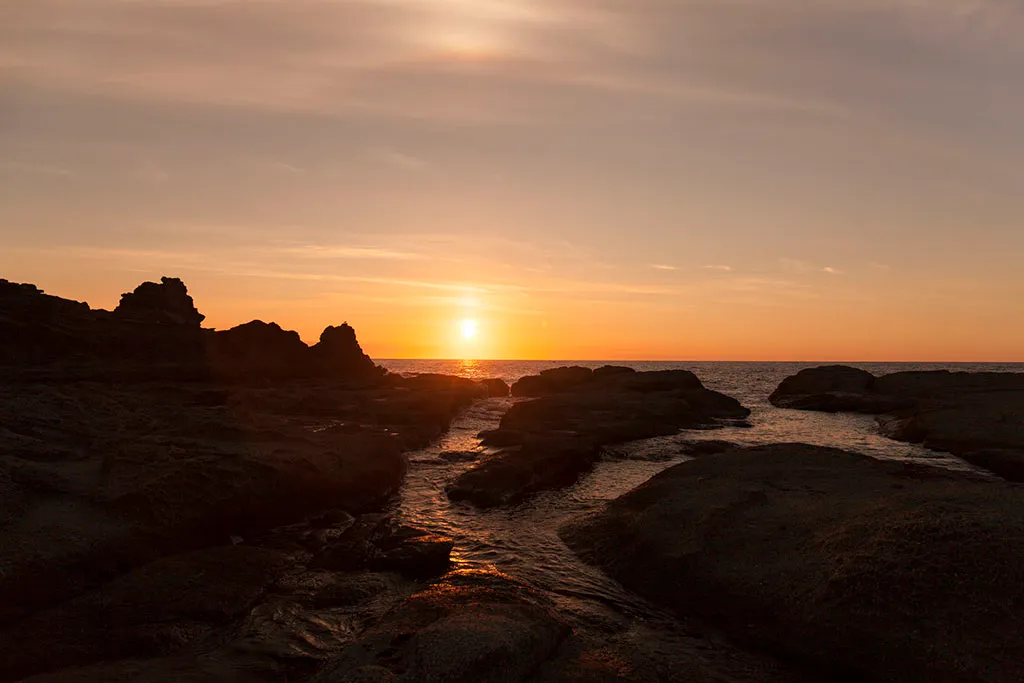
321	251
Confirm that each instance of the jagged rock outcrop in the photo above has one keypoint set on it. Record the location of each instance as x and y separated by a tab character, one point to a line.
155	333
977	416
166	303
862	569
338	354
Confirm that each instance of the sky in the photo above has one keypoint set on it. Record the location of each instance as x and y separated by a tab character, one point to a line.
588	179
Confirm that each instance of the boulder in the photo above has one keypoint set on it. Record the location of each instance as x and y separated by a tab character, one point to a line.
471	627
538	465
805	551
821	384
496	388
377	543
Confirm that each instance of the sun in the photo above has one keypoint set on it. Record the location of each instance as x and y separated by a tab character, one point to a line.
470	328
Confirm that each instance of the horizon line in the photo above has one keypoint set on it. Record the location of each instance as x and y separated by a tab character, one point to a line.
656	360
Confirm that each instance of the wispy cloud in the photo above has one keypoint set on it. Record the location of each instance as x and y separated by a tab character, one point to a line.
798	266
321	251
35	169
396	159
662	266
718	267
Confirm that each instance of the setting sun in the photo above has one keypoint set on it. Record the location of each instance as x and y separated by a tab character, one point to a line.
470	328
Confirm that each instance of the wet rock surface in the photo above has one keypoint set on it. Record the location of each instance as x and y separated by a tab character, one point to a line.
977	416
861	569
472	627
265	604
98	479
553	439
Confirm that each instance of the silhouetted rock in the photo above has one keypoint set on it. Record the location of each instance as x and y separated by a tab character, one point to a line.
496	388
155	334
259	349
839	378
166	303
338	354
606	371
562	432
552	381
38	328
867	570
970	415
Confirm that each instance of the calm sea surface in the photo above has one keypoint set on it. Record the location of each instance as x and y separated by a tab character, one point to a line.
523	541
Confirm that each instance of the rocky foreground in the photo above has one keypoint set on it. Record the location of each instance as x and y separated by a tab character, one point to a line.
548	442
186	504
144	460
976	416
859	569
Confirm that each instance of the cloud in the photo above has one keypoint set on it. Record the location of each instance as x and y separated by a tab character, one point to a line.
718	267
35	169
661	266
831	271
395	159
321	251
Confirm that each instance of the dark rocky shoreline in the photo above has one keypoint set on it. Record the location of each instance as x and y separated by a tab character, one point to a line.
976	416
551	440
179	503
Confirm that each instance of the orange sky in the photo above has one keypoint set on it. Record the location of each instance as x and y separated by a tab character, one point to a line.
594	180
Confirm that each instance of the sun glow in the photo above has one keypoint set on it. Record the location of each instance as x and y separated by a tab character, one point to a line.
470	329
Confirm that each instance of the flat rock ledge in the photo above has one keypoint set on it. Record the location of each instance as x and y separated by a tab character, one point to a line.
976	416
858	569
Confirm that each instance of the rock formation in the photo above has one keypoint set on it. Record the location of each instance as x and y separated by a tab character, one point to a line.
166	303
155	333
861	569
977	416
555	438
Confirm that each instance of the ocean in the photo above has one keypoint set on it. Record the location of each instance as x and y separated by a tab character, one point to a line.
750	383
522	540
